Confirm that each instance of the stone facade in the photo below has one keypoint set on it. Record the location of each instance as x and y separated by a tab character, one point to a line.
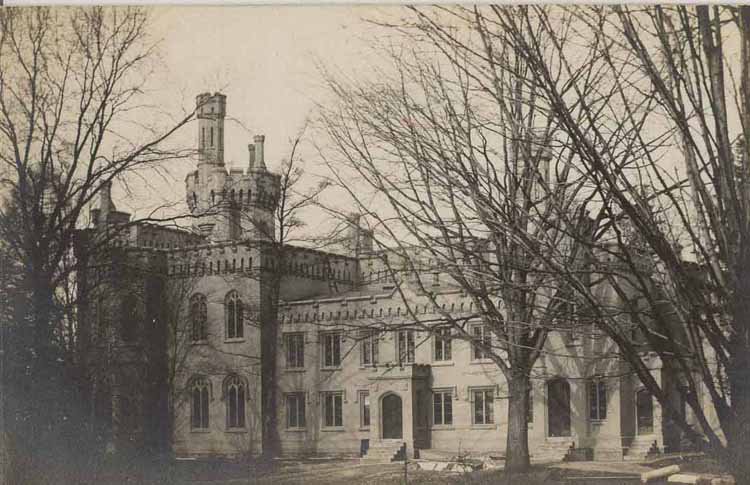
343	384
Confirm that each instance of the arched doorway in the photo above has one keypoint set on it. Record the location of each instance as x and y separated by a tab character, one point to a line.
558	407
644	411
392	417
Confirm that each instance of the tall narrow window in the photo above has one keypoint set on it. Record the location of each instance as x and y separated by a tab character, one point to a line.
644	407
235	396
364	409
212	135
369	348
482	342
199	409
234	316
442	408
129	319
198	318
332	409
597	399
483	406
331	342
405	344
295	410
295	350
443	344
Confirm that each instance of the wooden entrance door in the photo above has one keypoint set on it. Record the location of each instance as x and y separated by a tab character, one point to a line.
392	417
558	402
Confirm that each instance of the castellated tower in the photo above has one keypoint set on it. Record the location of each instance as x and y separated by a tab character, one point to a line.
233	205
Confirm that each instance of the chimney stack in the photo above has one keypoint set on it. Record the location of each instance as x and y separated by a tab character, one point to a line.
251	157
259	139
105	202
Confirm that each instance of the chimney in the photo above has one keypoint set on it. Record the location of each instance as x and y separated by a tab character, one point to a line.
251	157
259	139
105	202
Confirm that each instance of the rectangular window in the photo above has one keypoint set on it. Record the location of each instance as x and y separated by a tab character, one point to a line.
483	406
442	408
481	336
443	344
331	349
295	350
405	344
369	348
364	409
332	409
597	400
295	410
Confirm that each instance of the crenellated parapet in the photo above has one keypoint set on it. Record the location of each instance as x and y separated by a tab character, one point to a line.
383	308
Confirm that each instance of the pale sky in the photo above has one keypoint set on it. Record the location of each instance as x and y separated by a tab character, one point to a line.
264	59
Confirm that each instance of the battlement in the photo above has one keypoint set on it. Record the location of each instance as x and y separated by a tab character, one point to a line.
211	105
373	307
239	257
238	190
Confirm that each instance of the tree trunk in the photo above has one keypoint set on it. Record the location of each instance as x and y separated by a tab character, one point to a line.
269	344
517	447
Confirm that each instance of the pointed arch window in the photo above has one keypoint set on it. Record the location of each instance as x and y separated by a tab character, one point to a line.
235	393
200	396
234	315
198	318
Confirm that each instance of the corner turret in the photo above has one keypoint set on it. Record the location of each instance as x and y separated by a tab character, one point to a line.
211	111
235	204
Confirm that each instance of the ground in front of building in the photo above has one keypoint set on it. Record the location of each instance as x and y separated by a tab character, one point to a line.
345	472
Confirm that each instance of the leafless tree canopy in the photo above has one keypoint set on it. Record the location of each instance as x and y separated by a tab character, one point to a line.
640	114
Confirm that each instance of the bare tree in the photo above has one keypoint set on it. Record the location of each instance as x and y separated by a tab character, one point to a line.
71	81
450	145
662	138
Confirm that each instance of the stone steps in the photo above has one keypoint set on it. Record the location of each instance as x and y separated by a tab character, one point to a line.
548	452
385	451
640	449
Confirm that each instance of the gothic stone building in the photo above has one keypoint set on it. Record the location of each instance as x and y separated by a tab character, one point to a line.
179	315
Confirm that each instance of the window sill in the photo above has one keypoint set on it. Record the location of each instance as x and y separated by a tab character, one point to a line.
234	340
442	427
559	439
367	428
236	430
598	422
200	430
338	429
484	426
442	363
372	367
330	369
294	369
296	430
